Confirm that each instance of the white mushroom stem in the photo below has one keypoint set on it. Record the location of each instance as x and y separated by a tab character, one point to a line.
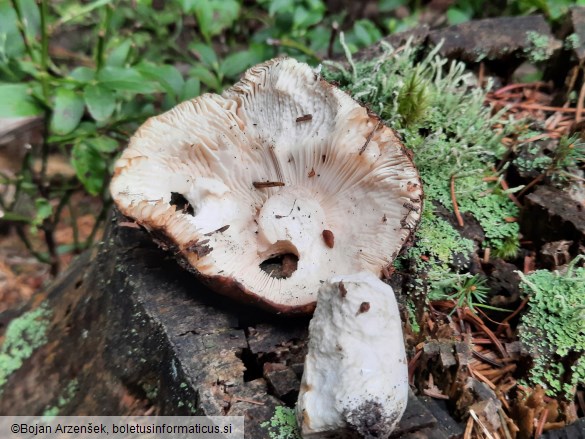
355	381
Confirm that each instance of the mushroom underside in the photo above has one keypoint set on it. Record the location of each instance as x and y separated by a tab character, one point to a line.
246	192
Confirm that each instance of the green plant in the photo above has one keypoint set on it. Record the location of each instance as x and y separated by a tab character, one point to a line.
283	424
465	290
553	329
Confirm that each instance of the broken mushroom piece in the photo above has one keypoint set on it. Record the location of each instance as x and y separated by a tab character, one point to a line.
271	188
355	380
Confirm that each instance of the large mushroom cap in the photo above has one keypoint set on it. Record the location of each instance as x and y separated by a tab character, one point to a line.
273	187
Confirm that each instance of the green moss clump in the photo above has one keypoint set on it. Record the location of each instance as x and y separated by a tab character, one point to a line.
553	329
23	335
283	425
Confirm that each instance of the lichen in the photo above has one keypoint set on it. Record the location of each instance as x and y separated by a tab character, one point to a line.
283	424
553	329
64	398
538	47
23	336
572	42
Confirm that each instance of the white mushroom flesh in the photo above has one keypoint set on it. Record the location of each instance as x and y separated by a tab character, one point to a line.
333	167
355	380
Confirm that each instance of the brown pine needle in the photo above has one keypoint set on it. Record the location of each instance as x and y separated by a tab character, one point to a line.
468	428
509	87
540	425
529	185
455	206
512	197
483	378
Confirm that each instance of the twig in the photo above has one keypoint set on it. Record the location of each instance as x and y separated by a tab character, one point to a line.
486	359
481	74
540	425
581	400
412	365
512	197
482	377
251	401
455	206
539	107
580	103
509	87
511	316
469	316
468	428
332	37
529	185
483	427
504	423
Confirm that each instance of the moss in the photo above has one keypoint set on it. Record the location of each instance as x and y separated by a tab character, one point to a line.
553	329
23	335
65	398
283	424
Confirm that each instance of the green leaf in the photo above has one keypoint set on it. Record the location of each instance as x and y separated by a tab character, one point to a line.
43	210
207	77
169	78
89	166
100	101
17	102
67	112
118	56
83	74
281	6
77	9
103	144
124	79
457	16
236	63
12	45
213	16
187	5
206	54
366	32
191	89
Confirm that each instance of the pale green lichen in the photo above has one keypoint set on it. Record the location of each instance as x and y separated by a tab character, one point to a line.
283	424
553	329
538	47
63	400
572	42
23	335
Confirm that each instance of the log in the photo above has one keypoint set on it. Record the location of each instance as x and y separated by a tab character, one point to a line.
126	331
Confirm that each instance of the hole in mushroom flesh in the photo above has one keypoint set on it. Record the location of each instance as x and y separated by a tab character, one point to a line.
180	202
280	266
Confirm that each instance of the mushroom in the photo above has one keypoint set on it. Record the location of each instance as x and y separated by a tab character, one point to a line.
355	381
272	187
